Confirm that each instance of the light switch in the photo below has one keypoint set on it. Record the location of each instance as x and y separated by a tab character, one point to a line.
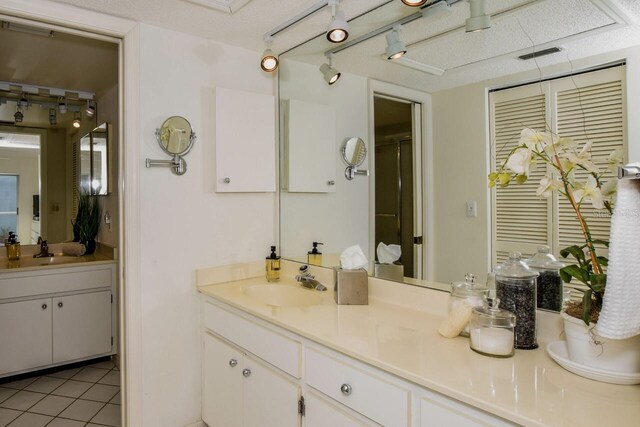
472	209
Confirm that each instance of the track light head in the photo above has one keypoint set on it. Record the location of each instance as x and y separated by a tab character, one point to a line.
76	120
91	108
18	116
477	20
62	105
269	61
414	3
24	102
395	46
330	74
53	118
338	30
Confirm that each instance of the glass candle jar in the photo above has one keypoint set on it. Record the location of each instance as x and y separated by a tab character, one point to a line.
469	292
492	330
549	283
516	289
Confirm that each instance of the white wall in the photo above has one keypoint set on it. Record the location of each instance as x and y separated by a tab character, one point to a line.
337	219
461	135
185	225
107	111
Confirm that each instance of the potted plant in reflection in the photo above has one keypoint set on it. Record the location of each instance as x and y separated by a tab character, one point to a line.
563	157
87	222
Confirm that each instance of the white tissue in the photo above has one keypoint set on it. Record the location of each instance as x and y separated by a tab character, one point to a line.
388	254
353	258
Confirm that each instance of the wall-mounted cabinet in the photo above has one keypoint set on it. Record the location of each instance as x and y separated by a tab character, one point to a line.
245	142
310	147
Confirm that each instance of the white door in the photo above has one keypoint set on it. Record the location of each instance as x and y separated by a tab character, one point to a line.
319	412
270	398
81	326
25	335
222	383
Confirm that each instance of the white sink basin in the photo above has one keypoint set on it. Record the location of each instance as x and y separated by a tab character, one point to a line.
283	295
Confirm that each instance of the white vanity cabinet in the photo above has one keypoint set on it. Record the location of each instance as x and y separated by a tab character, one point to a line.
49	317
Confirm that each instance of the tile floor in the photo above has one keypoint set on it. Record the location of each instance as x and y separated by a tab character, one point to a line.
79	397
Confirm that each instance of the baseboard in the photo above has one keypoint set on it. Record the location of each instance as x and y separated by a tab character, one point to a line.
197	424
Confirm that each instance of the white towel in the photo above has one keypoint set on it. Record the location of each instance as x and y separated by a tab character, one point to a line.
620	316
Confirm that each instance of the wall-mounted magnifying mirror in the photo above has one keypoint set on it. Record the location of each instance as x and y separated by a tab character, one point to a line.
354	153
176	138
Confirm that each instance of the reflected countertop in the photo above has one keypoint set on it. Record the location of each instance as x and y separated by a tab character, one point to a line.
58	260
397	332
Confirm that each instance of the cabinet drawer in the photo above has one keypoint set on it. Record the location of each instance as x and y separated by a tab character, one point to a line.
280	351
370	395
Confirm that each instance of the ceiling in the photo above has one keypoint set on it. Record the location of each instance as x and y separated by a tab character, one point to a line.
581	28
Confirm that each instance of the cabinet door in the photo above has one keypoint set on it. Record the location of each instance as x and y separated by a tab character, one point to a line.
436	411
222	367
25	335
81	326
320	412
270	398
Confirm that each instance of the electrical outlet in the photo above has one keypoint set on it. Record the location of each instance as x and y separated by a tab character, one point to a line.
472	209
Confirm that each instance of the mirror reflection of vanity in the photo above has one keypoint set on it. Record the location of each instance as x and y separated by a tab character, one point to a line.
433	125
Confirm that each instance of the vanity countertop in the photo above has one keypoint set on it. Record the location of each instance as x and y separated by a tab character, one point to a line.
401	338
28	263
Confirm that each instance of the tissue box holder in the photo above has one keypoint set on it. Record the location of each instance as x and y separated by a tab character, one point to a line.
351	286
389	271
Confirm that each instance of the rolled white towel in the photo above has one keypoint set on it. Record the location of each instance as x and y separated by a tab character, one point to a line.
73	249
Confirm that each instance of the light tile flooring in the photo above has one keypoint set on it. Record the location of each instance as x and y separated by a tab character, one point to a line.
85	396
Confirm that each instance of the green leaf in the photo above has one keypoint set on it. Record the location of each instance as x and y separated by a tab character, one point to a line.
598	282
521	179
576	252
603	261
566	277
600	242
493	176
576	272
492	184
586	307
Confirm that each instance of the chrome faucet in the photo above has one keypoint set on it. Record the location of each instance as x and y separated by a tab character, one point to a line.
44	249
309	281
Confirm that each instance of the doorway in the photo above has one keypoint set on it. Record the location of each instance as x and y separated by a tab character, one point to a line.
398	172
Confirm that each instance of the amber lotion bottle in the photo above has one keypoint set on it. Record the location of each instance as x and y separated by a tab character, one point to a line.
273	266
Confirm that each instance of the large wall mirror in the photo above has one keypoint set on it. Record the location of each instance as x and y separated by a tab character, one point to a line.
438	120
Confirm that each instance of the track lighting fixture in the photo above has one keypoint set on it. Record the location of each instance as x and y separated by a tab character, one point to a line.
53	118
76	120
62	105
91	108
23	102
18	116
338	30
414	3
478	20
395	46
269	61
331	75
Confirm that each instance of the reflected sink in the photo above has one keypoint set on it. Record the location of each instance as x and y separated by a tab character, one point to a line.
283	295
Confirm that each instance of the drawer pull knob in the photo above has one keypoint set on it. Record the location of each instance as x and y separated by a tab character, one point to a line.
60	304
227	180
345	389
246	372
233	363
44	306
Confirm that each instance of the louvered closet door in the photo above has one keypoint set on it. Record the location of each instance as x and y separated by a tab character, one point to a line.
590	107
520	220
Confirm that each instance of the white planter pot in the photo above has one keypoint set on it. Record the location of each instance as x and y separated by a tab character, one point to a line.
588	348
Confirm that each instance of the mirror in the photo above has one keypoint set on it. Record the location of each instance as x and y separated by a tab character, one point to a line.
431	127
176	136
94	161
354	151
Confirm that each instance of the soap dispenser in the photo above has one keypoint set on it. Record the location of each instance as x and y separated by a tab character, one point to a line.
12	245
273	266
314	256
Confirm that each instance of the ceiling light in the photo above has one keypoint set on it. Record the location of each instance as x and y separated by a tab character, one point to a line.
91	108
477	20
395	46
76	120
269	61
62	105
18	116
338	30
24	102
53	118
331	75
414	3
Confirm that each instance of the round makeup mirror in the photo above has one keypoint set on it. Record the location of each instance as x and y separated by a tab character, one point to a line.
354	151
175	136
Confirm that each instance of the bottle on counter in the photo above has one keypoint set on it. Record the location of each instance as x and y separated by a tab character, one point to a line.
273	266
516	289
469	292
549	283
314	256
492	330
12	245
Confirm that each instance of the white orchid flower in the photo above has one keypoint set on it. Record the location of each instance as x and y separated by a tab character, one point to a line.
609	189
559	146
548	186
535	140
584	159
590	191
615	159
520	161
